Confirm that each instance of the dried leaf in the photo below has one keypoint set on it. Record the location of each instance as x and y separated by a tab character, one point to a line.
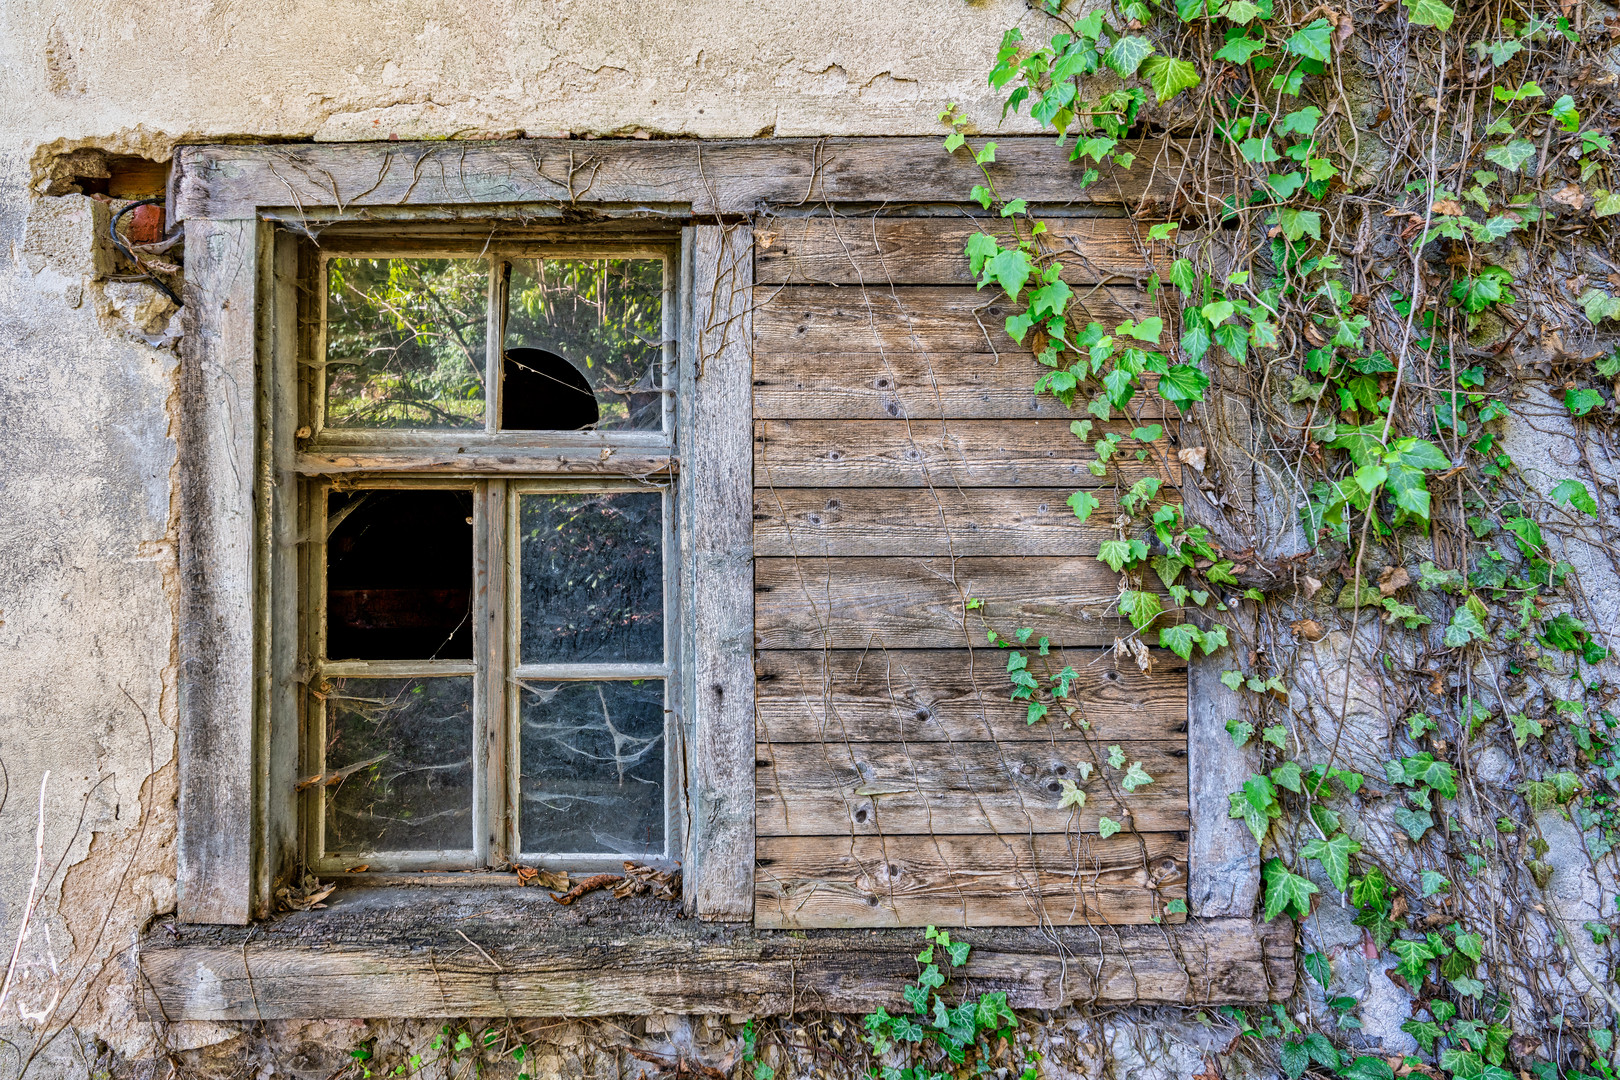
590	884
555	880
337	777
1392	579
1447	206
1571	196
1194	456
1312	586
1309	629
305	895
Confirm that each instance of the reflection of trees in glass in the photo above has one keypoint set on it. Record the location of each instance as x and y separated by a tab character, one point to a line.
604	316
405	342
592	577
399	755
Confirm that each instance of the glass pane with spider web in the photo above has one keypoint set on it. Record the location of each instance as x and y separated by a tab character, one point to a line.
593	768
399	768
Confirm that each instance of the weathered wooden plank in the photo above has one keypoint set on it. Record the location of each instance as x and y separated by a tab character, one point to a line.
402	953
735	177
604	462
802	319
719	873
876	249
910	385
923	521
217	437
955	695
895	603
832	881
947	453
972	788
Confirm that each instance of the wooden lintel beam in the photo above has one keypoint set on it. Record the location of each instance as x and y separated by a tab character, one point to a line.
718	177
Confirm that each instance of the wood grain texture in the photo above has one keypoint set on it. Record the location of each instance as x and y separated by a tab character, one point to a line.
218	432
606	462
908	385
953	789
803	319
921	603
911	696
705	177
829	881
720	879
879	250
404	953
919	521
949	453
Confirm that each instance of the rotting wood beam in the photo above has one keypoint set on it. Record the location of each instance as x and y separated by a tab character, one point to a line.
707	177
406	953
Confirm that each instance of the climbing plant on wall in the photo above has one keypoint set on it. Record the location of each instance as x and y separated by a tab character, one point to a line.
1392	230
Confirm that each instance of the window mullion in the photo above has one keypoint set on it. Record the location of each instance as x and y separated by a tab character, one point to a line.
491	584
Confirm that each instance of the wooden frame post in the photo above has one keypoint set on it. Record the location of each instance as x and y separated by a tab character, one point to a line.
218	433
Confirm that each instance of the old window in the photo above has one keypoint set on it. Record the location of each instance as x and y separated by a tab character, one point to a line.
530	582
492	659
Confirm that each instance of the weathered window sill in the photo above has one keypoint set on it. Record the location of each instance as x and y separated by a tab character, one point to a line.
400	951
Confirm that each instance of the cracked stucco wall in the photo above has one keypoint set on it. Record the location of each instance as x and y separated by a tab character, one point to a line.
87	527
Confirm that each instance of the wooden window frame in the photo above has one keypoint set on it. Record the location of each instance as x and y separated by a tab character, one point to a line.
243	207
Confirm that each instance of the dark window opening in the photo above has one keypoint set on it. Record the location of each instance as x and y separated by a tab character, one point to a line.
399	575
541	391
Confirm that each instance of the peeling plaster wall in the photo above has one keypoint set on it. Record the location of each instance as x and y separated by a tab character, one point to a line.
87	528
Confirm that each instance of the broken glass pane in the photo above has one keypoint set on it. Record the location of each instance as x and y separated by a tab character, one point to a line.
593	767
399	575
584	323
593	577
405	343
399	772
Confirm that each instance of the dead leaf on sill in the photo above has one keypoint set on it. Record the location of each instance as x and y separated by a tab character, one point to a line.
555	880
590	884
306	895
647	881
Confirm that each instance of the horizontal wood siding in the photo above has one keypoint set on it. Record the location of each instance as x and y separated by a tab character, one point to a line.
876	250
911	495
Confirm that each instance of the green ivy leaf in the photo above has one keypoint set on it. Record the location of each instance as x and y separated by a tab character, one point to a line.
1140	607
1183	276
1512	155
1413	822
1083	503
1182	385
1430	13
1107	827
1179	639
1314	42
1318	968
1334	855
1147	330
1010	268
1239	50
1285	891
1127	54
1168	76
1580	400
1256	805
1465	626
1575	494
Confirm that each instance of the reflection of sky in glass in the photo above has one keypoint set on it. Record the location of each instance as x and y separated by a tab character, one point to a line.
409	744
405	343
604	316
593	767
